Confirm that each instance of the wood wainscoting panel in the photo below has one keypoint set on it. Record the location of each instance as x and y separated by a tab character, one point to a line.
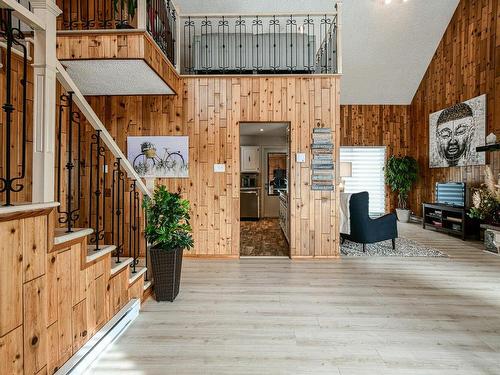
35	325
11	275
11	352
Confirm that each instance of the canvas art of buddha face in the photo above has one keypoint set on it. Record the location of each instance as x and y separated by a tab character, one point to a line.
455	132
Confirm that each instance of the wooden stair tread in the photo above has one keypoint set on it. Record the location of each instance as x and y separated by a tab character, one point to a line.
135	276
147	285
117	267
60	235
103	250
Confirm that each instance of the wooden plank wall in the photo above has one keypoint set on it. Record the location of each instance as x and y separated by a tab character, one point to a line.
135	45
51	302
209	112
377	125
15	145
466	64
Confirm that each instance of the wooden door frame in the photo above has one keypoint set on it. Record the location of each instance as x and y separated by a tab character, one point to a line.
238	174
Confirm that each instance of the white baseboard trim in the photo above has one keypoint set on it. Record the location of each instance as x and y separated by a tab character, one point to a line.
93	348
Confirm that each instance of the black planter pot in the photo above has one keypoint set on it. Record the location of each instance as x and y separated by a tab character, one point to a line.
167	266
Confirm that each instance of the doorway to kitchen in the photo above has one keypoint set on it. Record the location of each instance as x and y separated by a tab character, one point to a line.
264	182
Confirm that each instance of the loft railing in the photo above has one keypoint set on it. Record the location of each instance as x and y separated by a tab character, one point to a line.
157	17
262	44
14	109
162	24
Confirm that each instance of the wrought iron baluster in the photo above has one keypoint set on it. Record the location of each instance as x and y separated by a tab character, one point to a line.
291	43
274	44
133	234
206	44
189	32
98	223
240	58
257	41
71	213
223	29
13	36
308	48
118	202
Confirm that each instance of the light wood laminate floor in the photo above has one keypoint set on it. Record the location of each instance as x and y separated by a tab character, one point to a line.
400	316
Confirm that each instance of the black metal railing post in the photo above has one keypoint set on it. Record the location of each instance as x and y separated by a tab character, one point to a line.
133	233
70	213
161	24
96	197
117	208
12	36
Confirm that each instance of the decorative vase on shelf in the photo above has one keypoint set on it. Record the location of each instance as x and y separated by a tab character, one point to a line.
491	139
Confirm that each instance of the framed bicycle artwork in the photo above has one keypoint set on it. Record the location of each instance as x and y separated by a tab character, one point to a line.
164	156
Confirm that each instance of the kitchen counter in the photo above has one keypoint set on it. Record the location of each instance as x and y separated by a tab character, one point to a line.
283	214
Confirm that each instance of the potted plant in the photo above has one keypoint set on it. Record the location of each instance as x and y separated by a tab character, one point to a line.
400	174
168	231
128	6
486	200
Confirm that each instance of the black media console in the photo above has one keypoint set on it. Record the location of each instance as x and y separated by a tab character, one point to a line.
449	219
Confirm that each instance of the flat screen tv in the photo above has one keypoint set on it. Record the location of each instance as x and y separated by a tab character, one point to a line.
451	193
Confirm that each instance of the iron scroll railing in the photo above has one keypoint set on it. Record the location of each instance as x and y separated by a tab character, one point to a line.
12	177
88	171
159	18
273	44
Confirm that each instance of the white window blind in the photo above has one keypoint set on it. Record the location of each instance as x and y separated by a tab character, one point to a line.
367	174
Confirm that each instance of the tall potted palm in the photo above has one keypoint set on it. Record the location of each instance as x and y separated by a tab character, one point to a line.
168	231
400	174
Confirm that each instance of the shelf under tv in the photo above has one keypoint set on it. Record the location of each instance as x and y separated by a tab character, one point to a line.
449	219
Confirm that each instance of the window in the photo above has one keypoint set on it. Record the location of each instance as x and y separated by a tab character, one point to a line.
367	174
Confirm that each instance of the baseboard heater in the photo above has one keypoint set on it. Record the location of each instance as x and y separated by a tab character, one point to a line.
90	352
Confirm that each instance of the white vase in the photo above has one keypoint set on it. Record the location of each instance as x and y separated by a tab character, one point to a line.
403	215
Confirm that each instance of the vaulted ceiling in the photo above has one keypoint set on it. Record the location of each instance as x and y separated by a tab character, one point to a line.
386	47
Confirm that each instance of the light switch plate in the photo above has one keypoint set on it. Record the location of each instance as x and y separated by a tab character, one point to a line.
300	157
219	168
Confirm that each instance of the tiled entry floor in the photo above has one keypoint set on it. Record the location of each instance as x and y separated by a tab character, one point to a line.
263	238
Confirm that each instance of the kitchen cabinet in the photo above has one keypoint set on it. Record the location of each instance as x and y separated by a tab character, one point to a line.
250	159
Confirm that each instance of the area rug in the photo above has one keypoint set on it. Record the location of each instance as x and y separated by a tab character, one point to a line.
404	248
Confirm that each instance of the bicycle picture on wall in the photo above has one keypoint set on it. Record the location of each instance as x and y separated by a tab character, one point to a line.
165	156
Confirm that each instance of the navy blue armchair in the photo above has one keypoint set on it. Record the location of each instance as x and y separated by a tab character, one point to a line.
365	229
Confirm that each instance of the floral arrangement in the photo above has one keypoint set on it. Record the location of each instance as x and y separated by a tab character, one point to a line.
486	199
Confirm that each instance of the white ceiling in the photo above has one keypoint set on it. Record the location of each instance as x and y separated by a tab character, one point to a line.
116	77
264	129
386	48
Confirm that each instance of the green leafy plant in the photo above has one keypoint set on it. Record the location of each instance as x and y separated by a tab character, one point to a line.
128	5
400	174
168	218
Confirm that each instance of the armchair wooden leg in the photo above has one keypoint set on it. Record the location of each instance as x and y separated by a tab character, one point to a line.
393	244
364	248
